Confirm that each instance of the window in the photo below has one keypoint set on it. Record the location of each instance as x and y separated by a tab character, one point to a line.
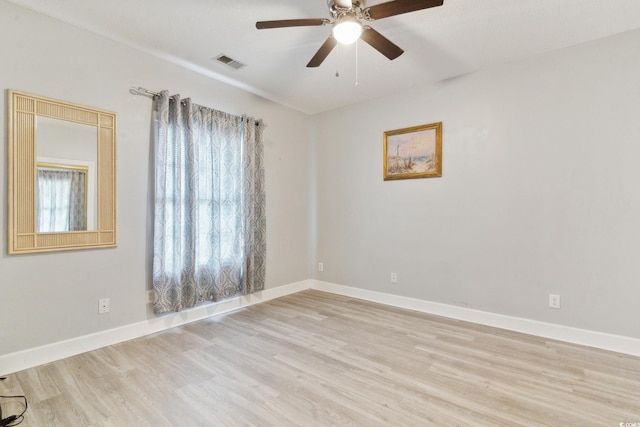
62	198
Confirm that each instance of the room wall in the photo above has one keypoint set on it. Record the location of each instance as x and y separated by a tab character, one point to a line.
539	192
47	298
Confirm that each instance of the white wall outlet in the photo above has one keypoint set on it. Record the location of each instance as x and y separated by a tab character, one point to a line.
104	305
394	277
149	296
320	266
554	301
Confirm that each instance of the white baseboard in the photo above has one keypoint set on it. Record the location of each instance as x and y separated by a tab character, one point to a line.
29	358
617	343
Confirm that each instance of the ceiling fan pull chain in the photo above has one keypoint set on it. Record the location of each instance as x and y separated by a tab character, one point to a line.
356	63
338	61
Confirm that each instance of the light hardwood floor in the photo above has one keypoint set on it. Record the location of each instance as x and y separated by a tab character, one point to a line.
318	359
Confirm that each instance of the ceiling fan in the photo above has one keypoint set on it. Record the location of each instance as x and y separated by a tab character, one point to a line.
347	27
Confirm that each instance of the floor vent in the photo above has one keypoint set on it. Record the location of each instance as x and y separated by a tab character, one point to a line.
229	61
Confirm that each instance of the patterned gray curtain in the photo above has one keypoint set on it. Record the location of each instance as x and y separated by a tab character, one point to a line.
209	223
78	201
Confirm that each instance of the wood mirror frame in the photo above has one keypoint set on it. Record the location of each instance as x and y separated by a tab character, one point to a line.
23	111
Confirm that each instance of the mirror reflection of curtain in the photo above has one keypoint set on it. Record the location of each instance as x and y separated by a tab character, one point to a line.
62	200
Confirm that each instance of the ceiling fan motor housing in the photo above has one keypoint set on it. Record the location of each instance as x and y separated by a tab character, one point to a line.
335	9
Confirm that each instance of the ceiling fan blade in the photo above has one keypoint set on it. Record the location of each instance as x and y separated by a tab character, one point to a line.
398	7
344	3
323	52
262	25
381	43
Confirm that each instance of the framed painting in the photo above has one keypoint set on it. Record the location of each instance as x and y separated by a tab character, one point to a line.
414	152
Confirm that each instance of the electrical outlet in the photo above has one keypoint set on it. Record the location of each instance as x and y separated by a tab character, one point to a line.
394	277
104	305
149	296
554	301
320	266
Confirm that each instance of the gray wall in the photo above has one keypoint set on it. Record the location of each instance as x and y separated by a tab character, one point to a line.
540	192
46	298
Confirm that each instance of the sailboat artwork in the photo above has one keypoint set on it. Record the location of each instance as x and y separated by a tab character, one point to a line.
414	152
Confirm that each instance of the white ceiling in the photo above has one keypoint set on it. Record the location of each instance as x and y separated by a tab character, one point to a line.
460	37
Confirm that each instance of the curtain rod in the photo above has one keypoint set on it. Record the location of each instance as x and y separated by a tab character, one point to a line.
142	91
146	92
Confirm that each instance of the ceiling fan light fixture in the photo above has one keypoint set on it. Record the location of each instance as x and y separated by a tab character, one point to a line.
347	29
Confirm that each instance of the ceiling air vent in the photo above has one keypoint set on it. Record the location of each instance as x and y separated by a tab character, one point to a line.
229	61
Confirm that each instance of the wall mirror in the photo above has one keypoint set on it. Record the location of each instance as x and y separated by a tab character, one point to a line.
61	164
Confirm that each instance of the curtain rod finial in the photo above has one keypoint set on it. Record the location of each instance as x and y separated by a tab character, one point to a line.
141	91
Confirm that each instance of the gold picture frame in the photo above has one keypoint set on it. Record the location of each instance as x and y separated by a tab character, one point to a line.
414	152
